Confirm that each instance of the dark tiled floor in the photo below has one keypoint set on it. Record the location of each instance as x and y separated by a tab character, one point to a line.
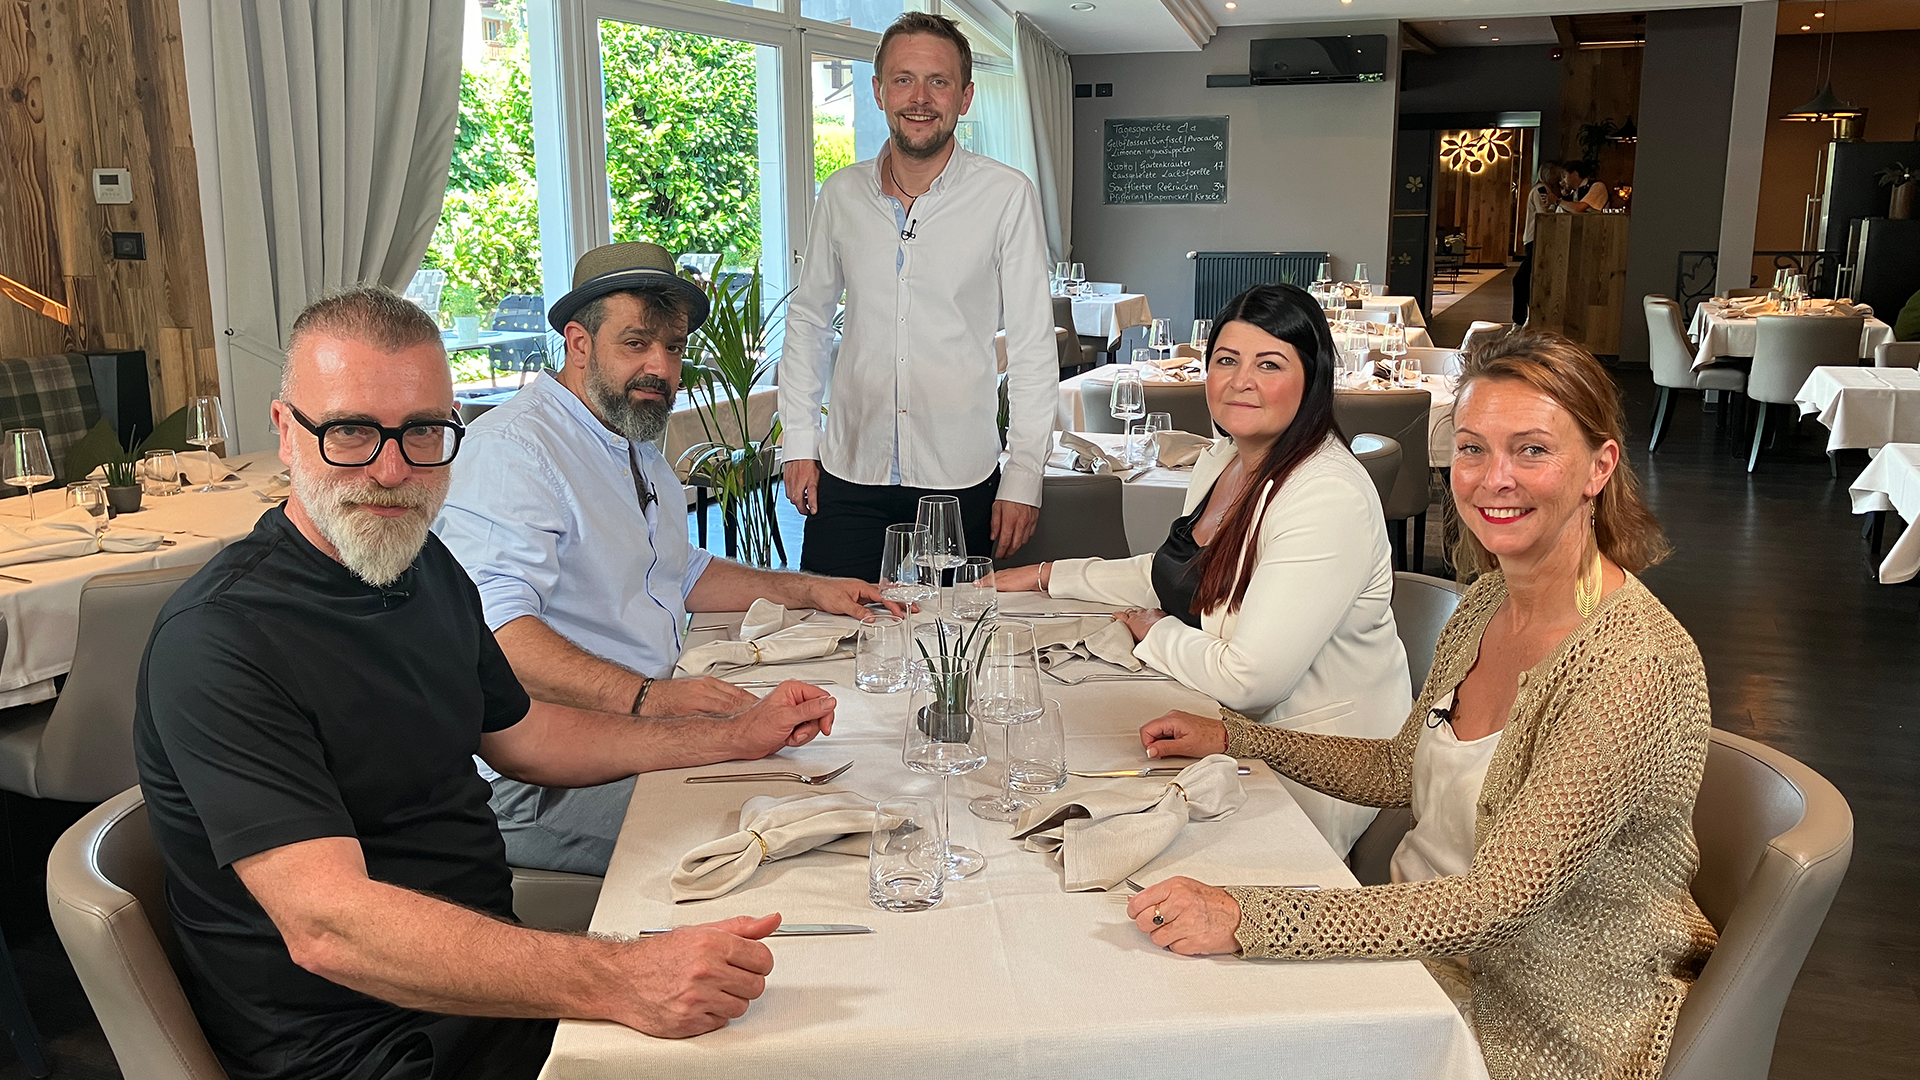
1803	652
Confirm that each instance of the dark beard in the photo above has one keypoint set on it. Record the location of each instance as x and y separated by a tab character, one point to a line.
918	153
640	421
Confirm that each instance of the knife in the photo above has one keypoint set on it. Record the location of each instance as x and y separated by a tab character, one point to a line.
786	930
1163	770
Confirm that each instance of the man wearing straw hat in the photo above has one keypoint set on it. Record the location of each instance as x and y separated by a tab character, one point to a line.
574	527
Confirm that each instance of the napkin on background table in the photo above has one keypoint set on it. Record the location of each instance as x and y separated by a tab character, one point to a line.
1090	636
840	822
1102	836
66	535
770	634
1090	454
1175	449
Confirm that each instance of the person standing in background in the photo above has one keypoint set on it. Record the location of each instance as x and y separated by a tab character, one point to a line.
1541	199
1586	193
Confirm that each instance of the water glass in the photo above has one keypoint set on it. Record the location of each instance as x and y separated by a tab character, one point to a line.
1037	753
881	653
160	472
974	594
1202	330
906	860
1006	692
1154	424
1142	357
25	463
905	578
92	498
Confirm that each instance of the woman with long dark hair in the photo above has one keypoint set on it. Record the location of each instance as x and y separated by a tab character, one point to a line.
1272	592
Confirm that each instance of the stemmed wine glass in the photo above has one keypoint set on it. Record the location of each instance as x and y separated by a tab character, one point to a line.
1127	401
1360	281
1160	337
1076	278
942	739
1006	691
1202	330
27	463
1393	342
946	544
206	426
905	577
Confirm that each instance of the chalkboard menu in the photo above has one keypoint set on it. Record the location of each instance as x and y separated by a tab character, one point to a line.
1167	159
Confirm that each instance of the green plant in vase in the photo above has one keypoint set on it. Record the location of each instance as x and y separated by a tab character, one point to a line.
726	359
949	664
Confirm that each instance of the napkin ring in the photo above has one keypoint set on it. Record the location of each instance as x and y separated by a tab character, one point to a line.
755	646
765	855
1175	785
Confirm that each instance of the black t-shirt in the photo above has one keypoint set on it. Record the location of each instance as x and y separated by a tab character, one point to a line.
283	699
1176	575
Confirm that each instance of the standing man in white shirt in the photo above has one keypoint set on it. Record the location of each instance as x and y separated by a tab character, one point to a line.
935	249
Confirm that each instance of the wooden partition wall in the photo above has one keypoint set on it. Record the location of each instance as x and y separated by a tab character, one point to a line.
92	84
1580	278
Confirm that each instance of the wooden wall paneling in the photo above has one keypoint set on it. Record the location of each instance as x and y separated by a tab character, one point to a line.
28	252
177	370
1480	205
1580	278
1601	84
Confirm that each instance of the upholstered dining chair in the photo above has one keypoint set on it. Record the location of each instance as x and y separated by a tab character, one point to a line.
1380	456
1672	364
1401	415
1775	839
1481	331
1897	354
1422	604
1081	516
1435	361
1786	349
1186	402
79	746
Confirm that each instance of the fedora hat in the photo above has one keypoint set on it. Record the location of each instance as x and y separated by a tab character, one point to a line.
629	266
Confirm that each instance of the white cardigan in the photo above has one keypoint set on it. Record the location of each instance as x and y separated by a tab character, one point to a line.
1313	646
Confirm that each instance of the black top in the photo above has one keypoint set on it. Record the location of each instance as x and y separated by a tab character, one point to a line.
1175	577
283	699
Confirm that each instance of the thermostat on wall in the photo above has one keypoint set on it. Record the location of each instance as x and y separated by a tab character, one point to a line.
112	187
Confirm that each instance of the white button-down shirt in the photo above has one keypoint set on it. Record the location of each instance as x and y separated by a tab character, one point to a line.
544	515
914	386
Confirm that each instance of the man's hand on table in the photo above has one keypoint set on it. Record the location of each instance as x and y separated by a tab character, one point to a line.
1186	916
697	978
1183	734
701	695
1013	525
794	714
843	596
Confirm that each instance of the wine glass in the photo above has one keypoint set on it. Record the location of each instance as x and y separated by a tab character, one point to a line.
1006	691
1154	424
946	542
1393	342
1057	279
1202	330
1076	278
207	426
1360	280
1127	401
904	577
942	739
26	463
1160	336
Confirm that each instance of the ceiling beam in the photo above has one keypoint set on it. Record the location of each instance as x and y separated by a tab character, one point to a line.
1412	40
1563	29
1194	18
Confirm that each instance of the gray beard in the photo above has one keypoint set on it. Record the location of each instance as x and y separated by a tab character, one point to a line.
639	421
376	550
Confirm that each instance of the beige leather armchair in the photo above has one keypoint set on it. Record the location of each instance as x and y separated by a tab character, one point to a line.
79	746
1380	456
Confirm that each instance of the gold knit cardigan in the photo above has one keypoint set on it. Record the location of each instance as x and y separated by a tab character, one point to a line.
1575	917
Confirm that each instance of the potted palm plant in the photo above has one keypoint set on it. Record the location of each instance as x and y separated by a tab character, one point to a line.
726	359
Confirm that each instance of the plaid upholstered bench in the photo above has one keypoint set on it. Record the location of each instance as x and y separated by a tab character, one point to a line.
54	394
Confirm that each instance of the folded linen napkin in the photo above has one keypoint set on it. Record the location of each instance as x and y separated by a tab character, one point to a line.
1104	835
57	536
774	828
1177	448
1092	454
771	634
120	539
1090	636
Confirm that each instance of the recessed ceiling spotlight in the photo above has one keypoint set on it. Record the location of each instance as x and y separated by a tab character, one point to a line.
1081	7
1231	5
1803	27
1819	14
1496	39
1483	26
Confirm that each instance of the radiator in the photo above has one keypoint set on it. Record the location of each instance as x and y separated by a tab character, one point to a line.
1219	276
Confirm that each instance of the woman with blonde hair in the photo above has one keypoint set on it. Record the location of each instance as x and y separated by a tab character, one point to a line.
1551	761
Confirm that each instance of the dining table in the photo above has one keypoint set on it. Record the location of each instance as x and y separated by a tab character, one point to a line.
1010	975
1407	306
40	601
1150	498
1863	407
1891	483
1720	333
1107	315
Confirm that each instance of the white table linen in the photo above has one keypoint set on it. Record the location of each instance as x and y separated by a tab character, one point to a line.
43	616
1149	502
1105	315
1010	975
1407	306
1863	407
1716	335
1891	481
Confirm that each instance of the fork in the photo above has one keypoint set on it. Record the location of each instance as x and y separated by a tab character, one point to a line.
802	778
1102	676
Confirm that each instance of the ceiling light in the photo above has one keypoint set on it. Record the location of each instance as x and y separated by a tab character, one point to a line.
1819	14
1346	1
1806	27
1231	5
1081	7
1494	39
1483	26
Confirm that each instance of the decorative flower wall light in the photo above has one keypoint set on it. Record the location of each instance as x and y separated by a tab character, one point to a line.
1472	151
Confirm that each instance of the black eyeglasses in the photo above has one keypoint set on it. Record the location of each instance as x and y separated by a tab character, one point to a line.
350	444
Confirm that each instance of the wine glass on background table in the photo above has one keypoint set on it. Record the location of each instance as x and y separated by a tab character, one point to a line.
1006	691
207	428
26	463
905	578
941	738
1360	280
946	540
1202	330
1076	278
1160	337
1127	402
1393	342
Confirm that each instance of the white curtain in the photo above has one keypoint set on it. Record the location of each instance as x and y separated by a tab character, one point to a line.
336	121
1048	80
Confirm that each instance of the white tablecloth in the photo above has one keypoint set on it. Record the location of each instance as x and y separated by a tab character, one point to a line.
1439	425
1009	976
1718	336
43	618
1417	337
1891	481
1105	315
1864	407
1407	306
1149	503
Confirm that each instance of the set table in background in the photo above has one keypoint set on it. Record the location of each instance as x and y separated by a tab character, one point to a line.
1010	975
1148	502
42	608
1863	407
1891	482
1718	335
1107	315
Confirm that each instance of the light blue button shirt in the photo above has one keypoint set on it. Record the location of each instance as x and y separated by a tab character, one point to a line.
543	515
